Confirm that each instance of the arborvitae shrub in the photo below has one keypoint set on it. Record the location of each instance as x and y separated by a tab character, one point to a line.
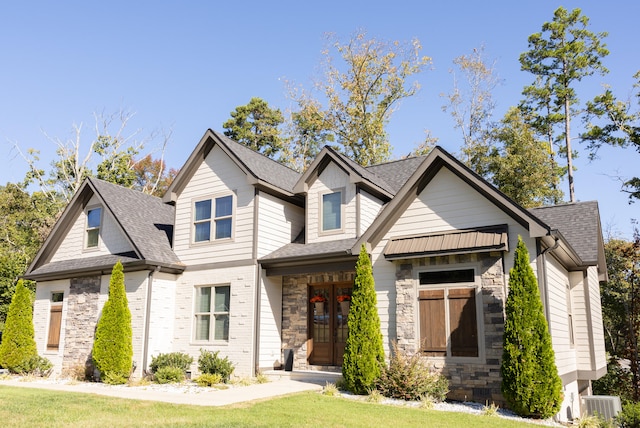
530	381
210	363
113	346
180	360
363	354
18	350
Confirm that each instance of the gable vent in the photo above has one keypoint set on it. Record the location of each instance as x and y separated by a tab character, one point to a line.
605	406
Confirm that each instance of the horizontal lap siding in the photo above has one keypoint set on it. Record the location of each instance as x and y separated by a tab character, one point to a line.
218	175
580	320
369	209
162	314
279	223
596	318
270	321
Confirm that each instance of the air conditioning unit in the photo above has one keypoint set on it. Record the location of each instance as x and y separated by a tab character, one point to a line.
605	406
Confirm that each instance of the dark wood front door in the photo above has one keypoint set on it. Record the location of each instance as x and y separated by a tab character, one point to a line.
329	305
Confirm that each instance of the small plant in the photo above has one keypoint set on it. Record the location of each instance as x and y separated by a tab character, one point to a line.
77	372
261	378
427	402
330	389
318	298
113	378
408	377
39	366
490	409
593	421
144	381
375	396
629	417
178	360
208	379
210	363
169	374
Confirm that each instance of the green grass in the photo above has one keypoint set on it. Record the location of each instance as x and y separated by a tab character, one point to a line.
25	407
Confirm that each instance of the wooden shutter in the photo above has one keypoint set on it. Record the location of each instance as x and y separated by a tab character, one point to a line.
55	320
433	333
462	322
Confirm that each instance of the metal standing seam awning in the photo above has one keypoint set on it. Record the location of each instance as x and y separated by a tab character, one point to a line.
459	241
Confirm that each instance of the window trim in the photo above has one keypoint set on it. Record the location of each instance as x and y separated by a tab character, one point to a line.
212	219
86	246
321	195
476	285
212	314
58	306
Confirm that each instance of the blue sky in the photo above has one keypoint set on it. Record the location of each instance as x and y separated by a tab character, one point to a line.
186	65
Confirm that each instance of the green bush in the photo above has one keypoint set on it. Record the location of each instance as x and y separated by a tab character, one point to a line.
179	360
363	353
210	363
18	349
630	416
530	381
618	381
113	347
208	379
169	374
408	377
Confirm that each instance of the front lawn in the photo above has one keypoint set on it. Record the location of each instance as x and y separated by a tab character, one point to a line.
26	407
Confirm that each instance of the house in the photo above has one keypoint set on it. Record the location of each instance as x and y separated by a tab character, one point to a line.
236	254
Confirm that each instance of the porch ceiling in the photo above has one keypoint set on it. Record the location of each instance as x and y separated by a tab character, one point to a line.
475	240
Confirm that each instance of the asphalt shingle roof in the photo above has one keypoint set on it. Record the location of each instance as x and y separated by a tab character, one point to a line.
395	174
299	250
578	222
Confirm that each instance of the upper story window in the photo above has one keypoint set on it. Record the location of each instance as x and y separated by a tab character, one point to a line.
94	219
332	211
213	219
448	313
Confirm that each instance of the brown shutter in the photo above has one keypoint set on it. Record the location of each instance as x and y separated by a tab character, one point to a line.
55	320
462	322
433	334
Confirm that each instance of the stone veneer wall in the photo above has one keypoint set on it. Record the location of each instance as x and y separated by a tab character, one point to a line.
295	310
82	317
467	381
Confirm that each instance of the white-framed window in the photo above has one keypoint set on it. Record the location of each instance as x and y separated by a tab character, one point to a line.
55	321
211	314
213	219
331	208
94	221
449	313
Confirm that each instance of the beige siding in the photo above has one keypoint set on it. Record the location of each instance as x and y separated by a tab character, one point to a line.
270	321
384	273
370	207
41	312
596	319
217	176
112	239
580	320
279	223
557	280
239	348
332	178
162	313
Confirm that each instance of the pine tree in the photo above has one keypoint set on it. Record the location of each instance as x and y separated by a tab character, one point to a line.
530	381
363	354
113	346
18	349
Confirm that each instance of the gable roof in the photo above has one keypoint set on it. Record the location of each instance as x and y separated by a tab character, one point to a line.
145	221
396	173
260	170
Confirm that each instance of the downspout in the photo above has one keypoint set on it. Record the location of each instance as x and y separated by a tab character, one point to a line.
256	315
147	320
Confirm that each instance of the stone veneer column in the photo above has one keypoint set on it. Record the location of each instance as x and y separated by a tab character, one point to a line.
81	320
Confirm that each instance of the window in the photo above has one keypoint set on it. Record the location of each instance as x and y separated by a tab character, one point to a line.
212	313
55	321
448	314
332	211
221	223
94	217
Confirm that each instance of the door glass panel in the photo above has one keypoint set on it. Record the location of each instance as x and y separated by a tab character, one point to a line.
320	308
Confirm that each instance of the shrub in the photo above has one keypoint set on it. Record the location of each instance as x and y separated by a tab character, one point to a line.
39	366
210	363
18	348
113	347
618	381
178	360
530	381
363	353
208	379
408	377
113	378
169	374
630	416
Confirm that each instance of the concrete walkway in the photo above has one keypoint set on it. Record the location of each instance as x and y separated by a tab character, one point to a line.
176	394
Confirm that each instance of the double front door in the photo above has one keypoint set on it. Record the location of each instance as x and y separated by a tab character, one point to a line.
329	305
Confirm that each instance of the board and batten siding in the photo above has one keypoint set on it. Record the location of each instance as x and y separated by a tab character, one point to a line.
270	346
112	239
41	318
216	176
279	223
370	207
240	346
332	178
557	281
162	314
